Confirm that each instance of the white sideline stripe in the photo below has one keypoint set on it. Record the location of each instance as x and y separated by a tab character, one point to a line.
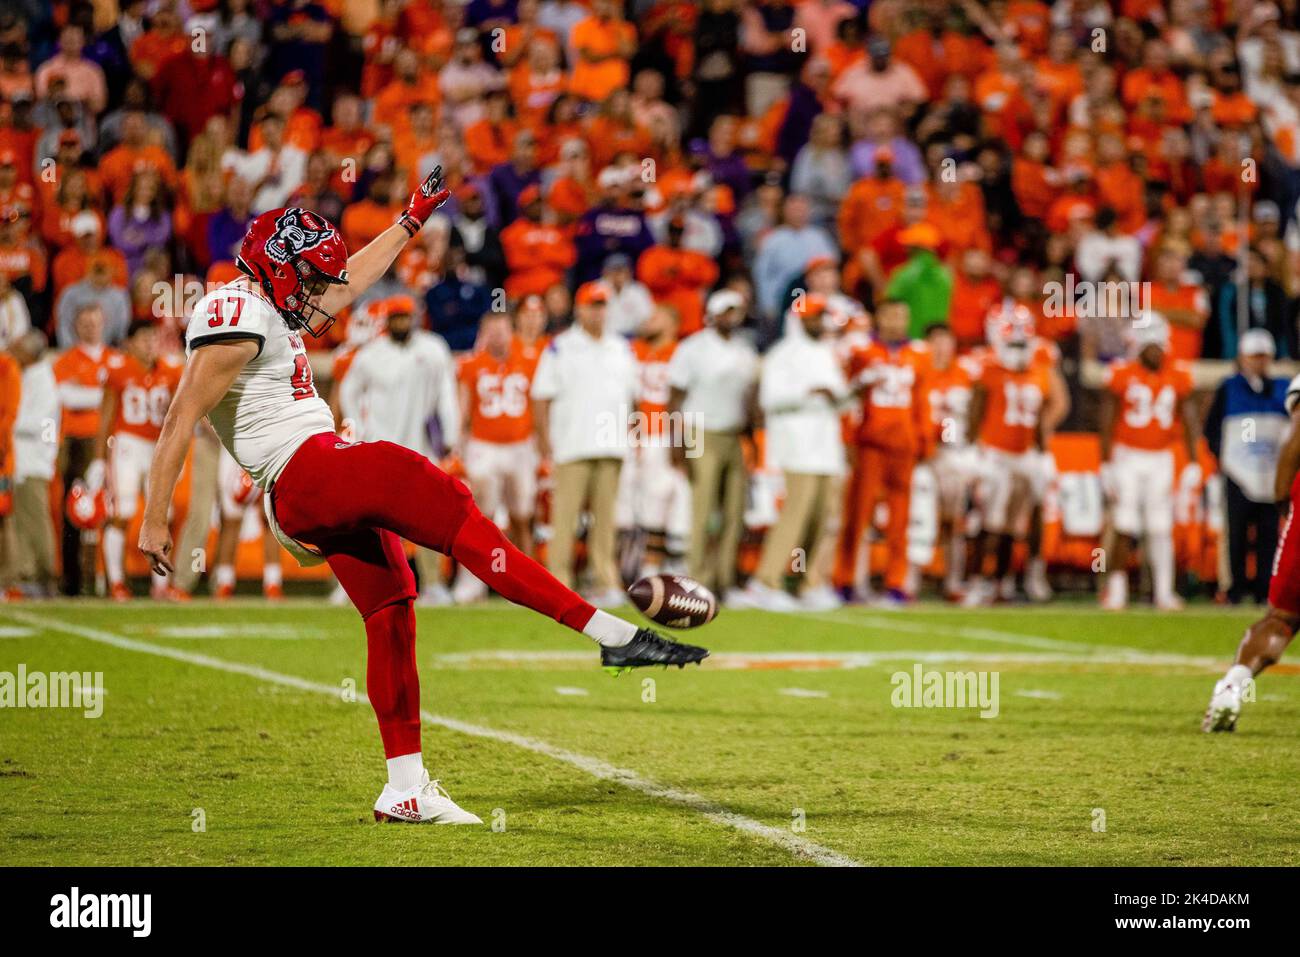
1036	693
889	623
804	693
7	632
731	660
602	770
572	692
268	632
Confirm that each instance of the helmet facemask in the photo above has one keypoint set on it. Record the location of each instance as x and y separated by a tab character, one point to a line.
312	284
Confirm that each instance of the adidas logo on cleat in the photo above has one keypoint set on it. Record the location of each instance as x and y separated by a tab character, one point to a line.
407	809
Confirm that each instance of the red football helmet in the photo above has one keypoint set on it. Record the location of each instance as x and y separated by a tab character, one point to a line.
294	254
86	510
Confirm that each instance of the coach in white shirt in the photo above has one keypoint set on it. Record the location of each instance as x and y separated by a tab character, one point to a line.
400	388
584	393
713	377
801	391
630	302
36	447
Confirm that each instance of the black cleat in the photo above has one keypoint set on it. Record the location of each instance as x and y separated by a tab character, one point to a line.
649	648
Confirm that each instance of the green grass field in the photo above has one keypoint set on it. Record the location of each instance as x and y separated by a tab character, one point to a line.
784	749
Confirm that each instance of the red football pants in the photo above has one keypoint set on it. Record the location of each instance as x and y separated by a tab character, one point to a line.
355	502
877	475
1284	586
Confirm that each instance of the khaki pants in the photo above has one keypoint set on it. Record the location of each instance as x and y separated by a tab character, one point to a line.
587	480
429	565
717	481
33	532
198	517
809	520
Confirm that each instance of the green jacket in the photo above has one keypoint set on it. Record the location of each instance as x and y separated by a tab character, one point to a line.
925	284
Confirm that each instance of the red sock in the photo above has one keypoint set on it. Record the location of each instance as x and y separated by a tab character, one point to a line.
482	548
392	682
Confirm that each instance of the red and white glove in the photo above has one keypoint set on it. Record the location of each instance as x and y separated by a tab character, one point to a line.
431	194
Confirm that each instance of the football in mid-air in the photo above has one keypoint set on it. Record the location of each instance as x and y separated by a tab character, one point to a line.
674	601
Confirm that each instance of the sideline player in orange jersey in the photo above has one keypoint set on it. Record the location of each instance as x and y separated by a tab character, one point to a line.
1013	410
948	392
137	393
1044	353
80	373
653	508
498	452
891	438
1145	409
530	330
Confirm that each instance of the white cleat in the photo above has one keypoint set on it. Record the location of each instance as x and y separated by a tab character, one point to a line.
426	803
736	598
434	596
822	598
1224	709
771	599
1170	603
979	593
468	588
609	599
1036	586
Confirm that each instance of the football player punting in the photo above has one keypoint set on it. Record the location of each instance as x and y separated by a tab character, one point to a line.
137	392
1266	640
1012	411
350	504
1145	409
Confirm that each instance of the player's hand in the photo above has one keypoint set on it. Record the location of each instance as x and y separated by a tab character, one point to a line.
431	194
1191	476
95	476
156	543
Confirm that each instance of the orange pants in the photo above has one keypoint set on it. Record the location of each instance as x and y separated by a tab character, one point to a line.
878	474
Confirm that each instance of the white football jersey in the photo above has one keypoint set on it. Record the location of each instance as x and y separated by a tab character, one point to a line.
272	406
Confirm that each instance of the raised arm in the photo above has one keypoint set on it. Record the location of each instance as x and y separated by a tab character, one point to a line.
368	265
207	377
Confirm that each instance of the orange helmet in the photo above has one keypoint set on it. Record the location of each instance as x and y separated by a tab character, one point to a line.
86	509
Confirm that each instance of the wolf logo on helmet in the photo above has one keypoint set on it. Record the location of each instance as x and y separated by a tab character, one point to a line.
296	231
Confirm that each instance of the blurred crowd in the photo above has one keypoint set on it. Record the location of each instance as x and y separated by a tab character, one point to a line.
942	161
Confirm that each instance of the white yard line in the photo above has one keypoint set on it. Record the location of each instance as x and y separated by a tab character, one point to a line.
797	846
905	626
815	660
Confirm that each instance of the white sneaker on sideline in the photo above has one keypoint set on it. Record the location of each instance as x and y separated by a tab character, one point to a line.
736	598
468	588
605	600
979	593
426	803
771	599
824	598
1036	587
1170	603
434	596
